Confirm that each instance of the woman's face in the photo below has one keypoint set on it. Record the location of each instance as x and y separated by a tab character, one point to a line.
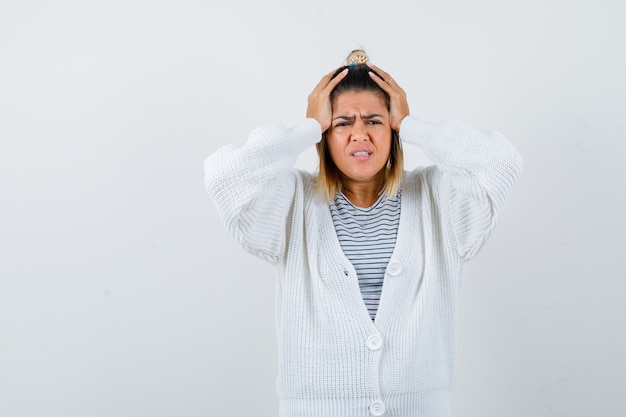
359	137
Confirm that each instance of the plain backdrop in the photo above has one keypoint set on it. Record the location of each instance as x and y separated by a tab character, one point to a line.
122	295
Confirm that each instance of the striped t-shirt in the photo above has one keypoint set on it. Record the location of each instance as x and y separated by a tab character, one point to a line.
368	237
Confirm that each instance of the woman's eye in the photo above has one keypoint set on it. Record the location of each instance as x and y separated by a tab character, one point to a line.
374	122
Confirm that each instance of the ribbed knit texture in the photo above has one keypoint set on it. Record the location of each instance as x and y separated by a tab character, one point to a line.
367	237
334	361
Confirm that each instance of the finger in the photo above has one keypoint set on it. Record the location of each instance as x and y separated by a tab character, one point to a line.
334	81
381	83
328	79
385	75
323	82
399	106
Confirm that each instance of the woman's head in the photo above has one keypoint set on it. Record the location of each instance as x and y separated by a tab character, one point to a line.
360	144
358	79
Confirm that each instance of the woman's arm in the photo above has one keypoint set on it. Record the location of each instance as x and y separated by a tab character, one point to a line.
480	167
479	170
252	186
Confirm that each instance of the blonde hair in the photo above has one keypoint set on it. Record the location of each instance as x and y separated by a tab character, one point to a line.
329	178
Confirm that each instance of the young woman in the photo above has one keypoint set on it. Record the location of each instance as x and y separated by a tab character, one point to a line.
369	258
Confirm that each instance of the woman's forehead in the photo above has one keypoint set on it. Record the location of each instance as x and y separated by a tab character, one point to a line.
360	102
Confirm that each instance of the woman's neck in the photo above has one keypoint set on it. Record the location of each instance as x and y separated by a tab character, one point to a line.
361	194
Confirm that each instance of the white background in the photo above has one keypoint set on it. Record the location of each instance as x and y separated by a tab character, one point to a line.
122	295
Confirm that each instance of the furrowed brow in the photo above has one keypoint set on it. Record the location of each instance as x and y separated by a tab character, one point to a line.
371	116
348	118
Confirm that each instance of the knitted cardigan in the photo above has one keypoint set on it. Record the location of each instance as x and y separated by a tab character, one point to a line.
334	361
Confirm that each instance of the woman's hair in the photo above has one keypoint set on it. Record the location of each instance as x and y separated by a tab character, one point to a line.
358	80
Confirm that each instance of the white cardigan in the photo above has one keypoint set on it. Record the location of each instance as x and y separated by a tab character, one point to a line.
334	361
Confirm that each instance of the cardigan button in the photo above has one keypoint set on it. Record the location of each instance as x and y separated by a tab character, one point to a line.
394	269
374	342
377	408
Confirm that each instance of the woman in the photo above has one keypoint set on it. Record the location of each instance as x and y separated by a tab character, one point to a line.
369	258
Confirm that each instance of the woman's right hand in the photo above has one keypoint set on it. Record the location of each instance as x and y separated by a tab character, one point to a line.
319	106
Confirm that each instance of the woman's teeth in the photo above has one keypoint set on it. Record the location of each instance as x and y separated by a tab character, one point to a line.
361	153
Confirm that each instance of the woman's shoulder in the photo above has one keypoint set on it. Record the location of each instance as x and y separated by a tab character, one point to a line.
420	173
302	179
421	178
303	175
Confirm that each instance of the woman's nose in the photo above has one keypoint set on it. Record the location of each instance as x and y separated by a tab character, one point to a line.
359	132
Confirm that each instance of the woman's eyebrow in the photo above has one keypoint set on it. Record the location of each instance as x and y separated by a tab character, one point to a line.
371	116
366	117
349	118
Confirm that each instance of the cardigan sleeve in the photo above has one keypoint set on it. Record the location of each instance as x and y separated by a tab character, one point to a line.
252	186
479	170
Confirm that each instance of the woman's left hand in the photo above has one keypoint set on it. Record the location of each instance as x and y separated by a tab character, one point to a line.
399	106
